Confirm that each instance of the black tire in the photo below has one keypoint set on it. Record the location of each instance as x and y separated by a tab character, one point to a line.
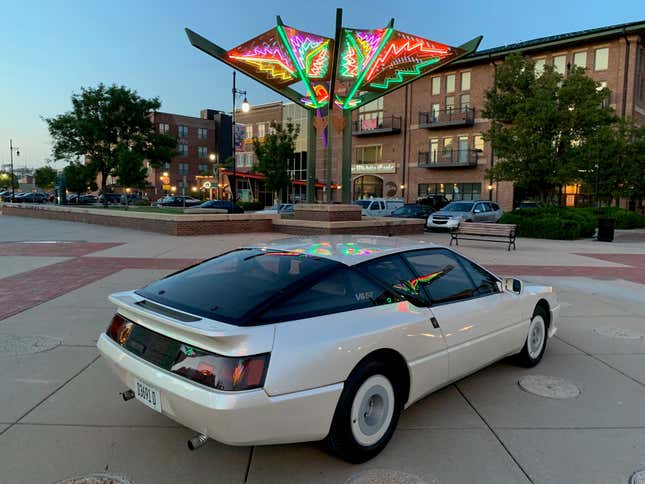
528	357
341	440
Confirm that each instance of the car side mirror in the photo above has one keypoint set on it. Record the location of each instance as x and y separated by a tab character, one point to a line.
478	210
513	285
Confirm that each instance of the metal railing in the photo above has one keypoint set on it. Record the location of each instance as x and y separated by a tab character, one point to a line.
449	158
380	125
447	117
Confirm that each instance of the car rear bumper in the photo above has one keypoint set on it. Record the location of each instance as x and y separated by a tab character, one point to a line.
442	224
235	418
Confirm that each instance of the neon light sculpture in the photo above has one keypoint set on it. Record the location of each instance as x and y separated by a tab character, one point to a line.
370	63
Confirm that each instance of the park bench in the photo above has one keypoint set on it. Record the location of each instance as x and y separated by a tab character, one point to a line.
484	232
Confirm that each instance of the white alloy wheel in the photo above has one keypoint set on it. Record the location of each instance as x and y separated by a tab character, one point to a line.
372	410
536	337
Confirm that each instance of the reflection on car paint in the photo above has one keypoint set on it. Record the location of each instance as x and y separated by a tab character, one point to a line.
343	248
413	285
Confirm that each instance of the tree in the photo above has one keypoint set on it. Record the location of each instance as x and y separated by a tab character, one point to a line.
6	179
103	122
45	177
274	153
130	170
541	124
79	177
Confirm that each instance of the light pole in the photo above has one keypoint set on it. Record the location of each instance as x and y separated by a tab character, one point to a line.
12	148
597	181
245	109
215	160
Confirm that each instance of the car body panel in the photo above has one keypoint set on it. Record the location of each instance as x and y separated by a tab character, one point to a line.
311	358
480	211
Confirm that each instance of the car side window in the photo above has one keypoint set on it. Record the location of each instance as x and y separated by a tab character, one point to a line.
393	272
441	275
485	282
478	208
495	206
341	290
382	205
487	207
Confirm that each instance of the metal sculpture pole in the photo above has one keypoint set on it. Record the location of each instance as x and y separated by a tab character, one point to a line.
311	157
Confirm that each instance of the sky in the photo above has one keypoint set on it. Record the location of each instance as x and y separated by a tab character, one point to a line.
50	49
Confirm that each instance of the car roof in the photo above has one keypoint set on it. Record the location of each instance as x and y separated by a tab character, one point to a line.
347	249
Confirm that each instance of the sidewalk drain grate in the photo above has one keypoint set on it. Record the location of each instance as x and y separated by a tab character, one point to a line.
638	478
385	476
11	345
621	333
97	479
549	386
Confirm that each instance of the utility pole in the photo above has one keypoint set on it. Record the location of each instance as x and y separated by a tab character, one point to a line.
12	148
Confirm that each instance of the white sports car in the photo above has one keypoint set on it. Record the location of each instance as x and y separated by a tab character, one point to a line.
312	339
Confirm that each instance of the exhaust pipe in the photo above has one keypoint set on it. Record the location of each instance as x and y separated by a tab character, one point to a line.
197	441
127	395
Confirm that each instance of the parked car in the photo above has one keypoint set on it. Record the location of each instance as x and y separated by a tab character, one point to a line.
320	338
412	210
110	197
227	205
378	207
437	202
178	201
281	208
15	197
87	199
34	197
464	211
529	204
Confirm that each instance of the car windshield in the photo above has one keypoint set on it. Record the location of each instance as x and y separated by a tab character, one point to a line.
363	203
406	209
458	207
229	287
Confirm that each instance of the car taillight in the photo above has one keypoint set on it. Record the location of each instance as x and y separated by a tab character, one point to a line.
119	329
221	372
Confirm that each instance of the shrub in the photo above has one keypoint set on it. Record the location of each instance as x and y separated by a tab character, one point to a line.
251	205
141	203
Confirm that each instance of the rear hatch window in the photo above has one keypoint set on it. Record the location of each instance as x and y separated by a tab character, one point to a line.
228	288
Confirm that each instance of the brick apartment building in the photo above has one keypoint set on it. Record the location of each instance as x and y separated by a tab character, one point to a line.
197	139
426	138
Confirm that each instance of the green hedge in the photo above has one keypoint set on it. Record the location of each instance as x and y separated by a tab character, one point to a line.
567	223
251	205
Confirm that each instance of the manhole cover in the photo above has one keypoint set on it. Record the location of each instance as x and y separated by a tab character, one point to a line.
384	476
549	386
97	479
621	333
11	345
638	478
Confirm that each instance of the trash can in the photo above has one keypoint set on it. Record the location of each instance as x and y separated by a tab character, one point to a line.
606	227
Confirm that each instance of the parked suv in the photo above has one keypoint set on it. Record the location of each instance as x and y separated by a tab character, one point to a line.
227	205
464	211
437	202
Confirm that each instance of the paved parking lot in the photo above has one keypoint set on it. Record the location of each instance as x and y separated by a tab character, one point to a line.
61	415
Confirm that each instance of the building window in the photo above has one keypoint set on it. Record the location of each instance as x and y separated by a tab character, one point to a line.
183	131
605	101
203	169
452	191
580	59
368	154
371	115
464	101
261	130
447	146
436	86
601	59
249	131
434	109
434	150
298	166
450	103
478	143
450	83
164	128
183	149
183	168
166	166
202	133
465	81
202	151
539	67
560	63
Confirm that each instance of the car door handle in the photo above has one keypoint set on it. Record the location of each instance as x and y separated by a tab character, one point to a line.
435	323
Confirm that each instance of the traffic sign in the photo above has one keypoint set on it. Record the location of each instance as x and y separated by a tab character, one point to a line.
207	184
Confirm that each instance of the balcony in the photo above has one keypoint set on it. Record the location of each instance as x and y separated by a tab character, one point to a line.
382	125
447	117
449	159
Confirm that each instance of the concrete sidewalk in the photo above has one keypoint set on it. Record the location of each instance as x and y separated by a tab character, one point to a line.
61	415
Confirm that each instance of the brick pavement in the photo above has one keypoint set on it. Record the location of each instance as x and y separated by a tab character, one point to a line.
28	289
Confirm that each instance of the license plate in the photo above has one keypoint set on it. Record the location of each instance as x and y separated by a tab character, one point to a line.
148	395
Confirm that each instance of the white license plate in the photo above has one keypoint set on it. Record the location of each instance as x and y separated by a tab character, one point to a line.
148	395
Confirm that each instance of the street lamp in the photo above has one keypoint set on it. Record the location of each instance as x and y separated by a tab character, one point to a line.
490	192
12	148
245	109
